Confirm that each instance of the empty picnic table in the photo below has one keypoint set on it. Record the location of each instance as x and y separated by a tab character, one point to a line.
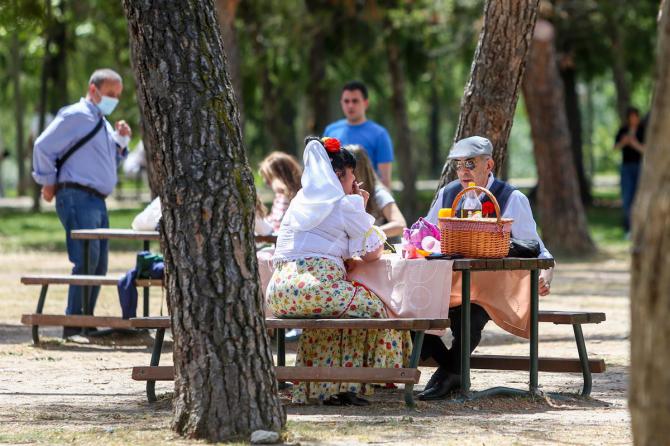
113	234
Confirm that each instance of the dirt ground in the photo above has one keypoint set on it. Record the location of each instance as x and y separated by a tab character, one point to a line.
81	392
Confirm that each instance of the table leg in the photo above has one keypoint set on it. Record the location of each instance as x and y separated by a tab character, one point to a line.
281	353
534	309
40	307
145	290
584	359
155	360
465	332
417	343
87	271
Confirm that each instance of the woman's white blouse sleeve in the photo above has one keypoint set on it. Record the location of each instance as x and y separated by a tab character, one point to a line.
363	235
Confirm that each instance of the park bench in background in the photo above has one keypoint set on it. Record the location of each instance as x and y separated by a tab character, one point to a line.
86	320
582	365
407	376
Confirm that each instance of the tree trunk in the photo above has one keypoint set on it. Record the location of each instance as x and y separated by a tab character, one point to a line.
434	131
562	215
321	12
619	73
225	385
44	87
650	278
227	11
403	138
18	111
491	95
58	61
574	116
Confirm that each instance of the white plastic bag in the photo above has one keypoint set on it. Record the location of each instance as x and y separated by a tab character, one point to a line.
147	220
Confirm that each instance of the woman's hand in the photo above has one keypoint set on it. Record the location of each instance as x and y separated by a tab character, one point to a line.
349	265
356	189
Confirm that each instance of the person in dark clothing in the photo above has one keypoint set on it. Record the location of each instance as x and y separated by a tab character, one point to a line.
630	140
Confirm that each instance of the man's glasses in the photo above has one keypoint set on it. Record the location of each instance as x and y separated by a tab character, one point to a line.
468	164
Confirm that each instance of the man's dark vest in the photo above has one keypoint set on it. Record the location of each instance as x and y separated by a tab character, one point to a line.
499	189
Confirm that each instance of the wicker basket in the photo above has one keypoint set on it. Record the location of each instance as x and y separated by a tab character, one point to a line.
475	237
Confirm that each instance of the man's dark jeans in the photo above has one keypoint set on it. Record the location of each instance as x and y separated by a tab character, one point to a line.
450	359
81	210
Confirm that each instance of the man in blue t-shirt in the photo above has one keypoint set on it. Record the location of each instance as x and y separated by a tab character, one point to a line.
357	129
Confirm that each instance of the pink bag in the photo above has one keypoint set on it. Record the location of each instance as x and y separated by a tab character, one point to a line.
419	230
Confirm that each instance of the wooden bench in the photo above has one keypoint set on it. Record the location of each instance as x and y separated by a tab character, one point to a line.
583	364
86	320
407	376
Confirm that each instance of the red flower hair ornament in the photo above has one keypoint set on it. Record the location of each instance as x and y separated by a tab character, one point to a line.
332	145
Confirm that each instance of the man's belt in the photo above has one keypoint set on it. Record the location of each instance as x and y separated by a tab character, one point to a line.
70	185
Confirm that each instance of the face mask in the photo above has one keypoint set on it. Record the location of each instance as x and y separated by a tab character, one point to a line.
107	104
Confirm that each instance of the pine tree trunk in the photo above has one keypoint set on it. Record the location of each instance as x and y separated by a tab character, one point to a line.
491	95
225	385
321	13
18	114
650	279
619	73
227	11
403	139
574	116
562	215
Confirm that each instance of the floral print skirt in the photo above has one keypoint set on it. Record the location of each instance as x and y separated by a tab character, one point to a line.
317	287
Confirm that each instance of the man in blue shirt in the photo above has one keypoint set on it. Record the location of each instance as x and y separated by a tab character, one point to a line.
81	181
357	129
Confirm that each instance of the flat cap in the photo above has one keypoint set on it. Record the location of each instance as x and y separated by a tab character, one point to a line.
471	147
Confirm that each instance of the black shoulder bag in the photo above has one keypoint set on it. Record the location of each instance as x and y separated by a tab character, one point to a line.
60	161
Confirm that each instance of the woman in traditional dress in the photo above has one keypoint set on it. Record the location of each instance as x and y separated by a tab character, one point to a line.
325	225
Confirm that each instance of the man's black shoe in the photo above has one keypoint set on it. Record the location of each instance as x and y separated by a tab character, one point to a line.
71	331
437	378
442	390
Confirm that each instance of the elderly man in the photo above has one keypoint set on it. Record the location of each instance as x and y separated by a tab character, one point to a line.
75	159
473	162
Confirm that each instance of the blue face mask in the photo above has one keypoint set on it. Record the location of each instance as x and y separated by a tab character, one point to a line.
107	104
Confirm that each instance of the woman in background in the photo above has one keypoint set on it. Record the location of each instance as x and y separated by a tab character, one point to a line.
381	204
281	173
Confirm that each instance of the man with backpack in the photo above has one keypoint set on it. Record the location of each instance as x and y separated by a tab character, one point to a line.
75	160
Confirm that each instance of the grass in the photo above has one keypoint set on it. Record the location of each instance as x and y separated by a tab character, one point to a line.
22	230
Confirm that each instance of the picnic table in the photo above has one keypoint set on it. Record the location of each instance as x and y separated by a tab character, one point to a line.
113	234
466	267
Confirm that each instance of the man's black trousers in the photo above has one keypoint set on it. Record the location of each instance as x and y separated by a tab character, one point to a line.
450	359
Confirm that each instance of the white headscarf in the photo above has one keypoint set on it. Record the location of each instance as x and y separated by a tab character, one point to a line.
321	189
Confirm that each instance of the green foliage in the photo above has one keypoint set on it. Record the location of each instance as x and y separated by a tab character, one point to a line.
437	39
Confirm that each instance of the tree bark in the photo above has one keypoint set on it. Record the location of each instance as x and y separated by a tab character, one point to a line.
321	12
491	95
227	11
562	215
434	131
573	113
403	138
619	73
225	385
650	278
19	115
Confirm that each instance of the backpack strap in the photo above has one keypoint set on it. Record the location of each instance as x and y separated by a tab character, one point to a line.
60	161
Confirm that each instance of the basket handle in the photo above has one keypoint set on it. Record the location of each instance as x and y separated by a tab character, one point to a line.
458	197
